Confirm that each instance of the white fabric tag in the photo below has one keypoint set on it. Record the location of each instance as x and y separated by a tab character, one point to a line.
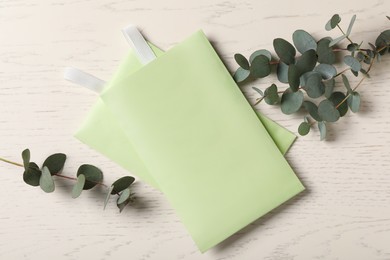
139	44
84	79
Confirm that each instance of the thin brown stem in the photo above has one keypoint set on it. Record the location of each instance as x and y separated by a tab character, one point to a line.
341	72
11	162
75	179
258	101
349	39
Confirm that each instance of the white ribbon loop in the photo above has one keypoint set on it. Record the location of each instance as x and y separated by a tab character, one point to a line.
139	44
84	79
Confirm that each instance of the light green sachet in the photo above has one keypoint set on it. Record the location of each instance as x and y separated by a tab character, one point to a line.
201	142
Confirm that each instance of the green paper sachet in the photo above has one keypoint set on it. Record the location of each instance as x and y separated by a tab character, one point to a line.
101	131
201	141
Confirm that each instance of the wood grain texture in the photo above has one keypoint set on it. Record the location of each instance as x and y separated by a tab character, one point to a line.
344	214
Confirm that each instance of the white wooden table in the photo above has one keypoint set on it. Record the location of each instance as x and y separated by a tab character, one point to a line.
344	214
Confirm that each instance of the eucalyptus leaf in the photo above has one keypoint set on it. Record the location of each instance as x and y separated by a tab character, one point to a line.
241	74
337	98
260	67
314	86
337	40
329	87
312	109
282	72
382	41
55	162
125	195
306	75
121	184
271	95
303	41
258	53
307	61
93	175
349	30
258	91
121	206
32	175
346	83
354	102
108	196
327	111
285	50
293	77
333	22
353	63
304	128
322	128
78	187
327	71
353	47
291	101
26	158
241	61
324	52
46	181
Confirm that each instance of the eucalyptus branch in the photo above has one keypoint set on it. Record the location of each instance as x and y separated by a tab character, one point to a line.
88	176
312	74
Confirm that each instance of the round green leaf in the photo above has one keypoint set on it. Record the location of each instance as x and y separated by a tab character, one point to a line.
337	40
285	51
46	181
260	67
303	41
26	158
32	175
121	184
241	61
121	206
354	101
241	74
324	52
293	77
349	30
327	71
382	41
108	196
329	86
291	101
258	91
322	128
312	109
304	128
125	195
353	63
55	162
305	76
314	86
346	83
353	47
307	61
336	99
282	72
93	175
258	53
78	187
271	96
327	111
333	22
